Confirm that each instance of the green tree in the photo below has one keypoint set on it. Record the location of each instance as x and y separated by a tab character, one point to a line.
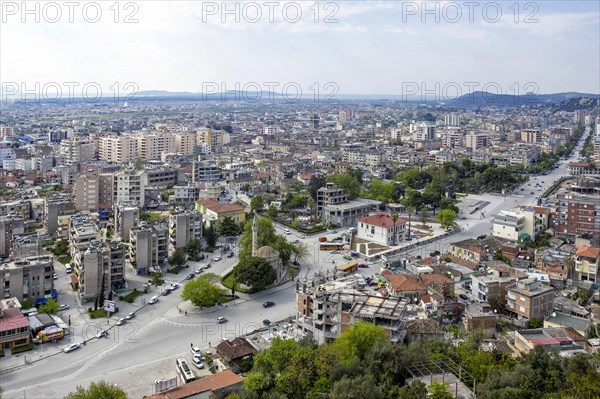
423	216
138	164
272	211
362	386
416	390
257	203
448	203
228	227
316	182
266	236
255	272
358	340
193	248
156	279
98	390
179	257
535	323
211	236
438	391
382	191
301	251
50	307
203	291
347	182
27	303
446	217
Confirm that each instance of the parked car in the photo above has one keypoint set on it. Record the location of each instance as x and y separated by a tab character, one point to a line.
463	296
102	334
153	300
303	236
174	286
363	266
130	316
297	242
63	306
54	276
198	362
335	252
71	347
230	255
199	270
121	321
195	351
166	292
207	266
217	258
221	320
286	231
347	257
268	304
267	322
191	276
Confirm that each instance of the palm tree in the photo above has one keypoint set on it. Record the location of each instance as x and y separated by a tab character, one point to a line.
394	217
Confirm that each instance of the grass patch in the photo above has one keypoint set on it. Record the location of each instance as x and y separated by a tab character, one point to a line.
129	298
228	298
175	270
97	314
64	259
21	349
227	281
293	271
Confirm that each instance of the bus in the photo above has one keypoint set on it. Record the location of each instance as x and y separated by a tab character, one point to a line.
184	371
331	246
349	268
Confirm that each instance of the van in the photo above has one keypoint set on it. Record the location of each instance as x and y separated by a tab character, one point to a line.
68	268
154	299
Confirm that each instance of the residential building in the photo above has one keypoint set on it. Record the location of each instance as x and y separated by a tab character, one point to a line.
126	217
153	145
204	171
7	152
184	226
532	136
211	191
163	177
559	340
105	188
381	228
329	195
453	139
186	195
28	277
57	208
129	186
6	132
476	141
218	385
77	149
577	214
86	191
118	149
345	214
587	261
486	287
148	248
475	250
557	264
185	142
213	212
9	227
423	131
480	316
528	298
26	245
98	263
212	137
452	120
508	224
15	329
325	308
83	232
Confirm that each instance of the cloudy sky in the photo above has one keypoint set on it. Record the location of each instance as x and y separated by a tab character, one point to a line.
358	47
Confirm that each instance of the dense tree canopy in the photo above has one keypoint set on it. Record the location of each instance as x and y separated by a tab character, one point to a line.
255	273
98	390
347	182
266	236
203	291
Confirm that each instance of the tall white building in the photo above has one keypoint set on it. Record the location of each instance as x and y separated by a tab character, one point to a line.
424	131
77	149
128	186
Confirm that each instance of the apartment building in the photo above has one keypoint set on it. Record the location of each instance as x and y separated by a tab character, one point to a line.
479	316
327	307
77	149
381	228
56	209
27	277
492	285
26	245
475	250
83	231
577	214
423	131
452	120
99	263
126	217
329	195
163	177
453	139
148	248
153	145
9	227
528	298
184	226
185	142
508	224
587	261
345	214
118	149
186	195
476	141
532	136
86	191
204	171
129	186
212	137
15	329
557	264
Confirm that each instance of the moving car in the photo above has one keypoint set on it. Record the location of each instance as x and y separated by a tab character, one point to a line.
121	321
363	266
63	307
268	304
130	316
71	347
217	258
221	320
347	257
153	300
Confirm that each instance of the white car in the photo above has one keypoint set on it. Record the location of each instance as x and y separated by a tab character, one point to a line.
221	320
174	286
120	322
63	307
217	258
198	362
199	270
130	316
153	300
102	334
196	351
71	347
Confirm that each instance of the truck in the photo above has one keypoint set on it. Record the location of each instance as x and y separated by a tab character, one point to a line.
323	239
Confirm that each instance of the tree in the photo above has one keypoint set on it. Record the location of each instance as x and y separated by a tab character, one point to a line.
179	257
536	323
446	217
27	303
266	236
362	386
423	216
448	203
138	164
358	340
301	251
272	211
50	307
255	272
157	279
211	236
203	291
98	390
257	203
381	191
316	182
438	391
228	227
416	390
101	293
193	248
347	182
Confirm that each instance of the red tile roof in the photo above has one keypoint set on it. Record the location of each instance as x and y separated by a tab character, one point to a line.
212	383
381	220
588	252
220	208
10	322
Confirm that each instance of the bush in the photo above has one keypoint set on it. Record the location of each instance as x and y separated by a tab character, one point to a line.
22	349
129	298
97	314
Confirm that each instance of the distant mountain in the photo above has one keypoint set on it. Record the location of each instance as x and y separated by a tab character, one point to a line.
574	104
487	99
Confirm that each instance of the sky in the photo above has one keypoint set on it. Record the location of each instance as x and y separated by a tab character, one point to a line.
438	49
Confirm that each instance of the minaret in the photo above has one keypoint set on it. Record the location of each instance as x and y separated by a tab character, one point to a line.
254	235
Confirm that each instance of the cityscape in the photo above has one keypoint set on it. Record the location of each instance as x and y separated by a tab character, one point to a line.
313	223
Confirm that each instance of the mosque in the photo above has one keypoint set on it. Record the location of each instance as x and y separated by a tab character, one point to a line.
271	255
